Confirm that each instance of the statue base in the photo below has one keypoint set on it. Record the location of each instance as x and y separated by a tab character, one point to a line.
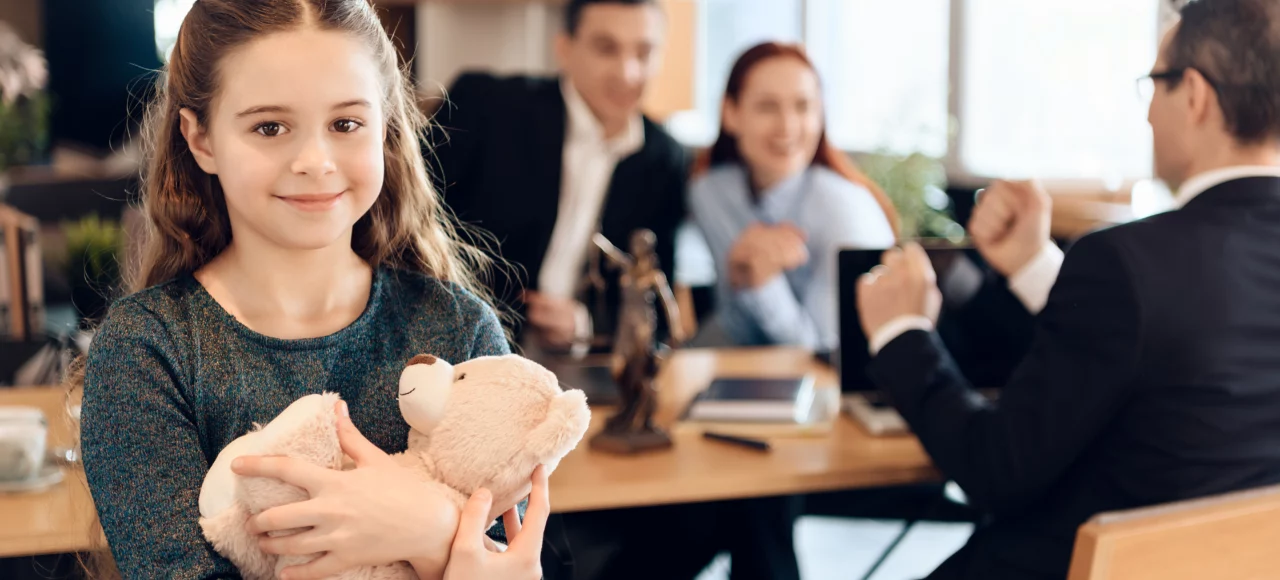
630	443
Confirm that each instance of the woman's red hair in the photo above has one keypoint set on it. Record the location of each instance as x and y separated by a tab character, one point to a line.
725	149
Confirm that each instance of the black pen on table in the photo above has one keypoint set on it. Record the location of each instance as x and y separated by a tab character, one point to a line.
755	444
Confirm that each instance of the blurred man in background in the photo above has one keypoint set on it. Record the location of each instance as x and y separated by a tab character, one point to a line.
544	163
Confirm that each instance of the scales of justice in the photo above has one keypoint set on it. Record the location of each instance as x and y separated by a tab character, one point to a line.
637	354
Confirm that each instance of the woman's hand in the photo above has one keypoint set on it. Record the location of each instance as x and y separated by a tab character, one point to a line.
377	513
762	252
470	560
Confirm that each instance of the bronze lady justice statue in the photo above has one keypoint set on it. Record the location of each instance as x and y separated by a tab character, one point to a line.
636	353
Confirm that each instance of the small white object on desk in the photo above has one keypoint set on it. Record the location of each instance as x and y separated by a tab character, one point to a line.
47	477
23	436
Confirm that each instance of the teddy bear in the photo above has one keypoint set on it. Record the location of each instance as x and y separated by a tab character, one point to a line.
487	422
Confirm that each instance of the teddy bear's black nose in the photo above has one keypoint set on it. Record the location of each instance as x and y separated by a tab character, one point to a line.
422	359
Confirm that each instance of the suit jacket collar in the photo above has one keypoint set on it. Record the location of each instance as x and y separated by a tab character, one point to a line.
1203	182
548	126
553	122
582	124
1244	191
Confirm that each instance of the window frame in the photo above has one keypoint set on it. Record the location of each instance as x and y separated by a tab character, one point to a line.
957	174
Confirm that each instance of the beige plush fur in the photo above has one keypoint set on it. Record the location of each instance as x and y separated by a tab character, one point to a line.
486	423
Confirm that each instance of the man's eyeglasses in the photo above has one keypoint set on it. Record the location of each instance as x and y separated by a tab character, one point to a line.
1147	84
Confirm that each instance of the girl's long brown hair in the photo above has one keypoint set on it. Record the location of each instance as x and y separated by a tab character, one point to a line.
725	150
185	213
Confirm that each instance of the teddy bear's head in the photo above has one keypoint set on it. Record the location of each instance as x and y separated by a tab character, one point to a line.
490	421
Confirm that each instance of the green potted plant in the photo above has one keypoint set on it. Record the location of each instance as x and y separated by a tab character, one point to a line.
94	248
24	106
915	184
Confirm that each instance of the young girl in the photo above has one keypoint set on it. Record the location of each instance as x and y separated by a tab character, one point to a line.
776	201
295	247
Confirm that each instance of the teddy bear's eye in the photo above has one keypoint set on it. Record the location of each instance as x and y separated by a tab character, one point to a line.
462	376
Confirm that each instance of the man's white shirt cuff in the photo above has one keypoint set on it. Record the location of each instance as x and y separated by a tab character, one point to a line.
583	331
1033	282
895	328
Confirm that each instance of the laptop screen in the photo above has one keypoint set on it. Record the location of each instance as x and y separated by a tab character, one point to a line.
982	324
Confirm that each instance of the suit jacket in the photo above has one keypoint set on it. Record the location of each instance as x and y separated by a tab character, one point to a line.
499	149
1153	376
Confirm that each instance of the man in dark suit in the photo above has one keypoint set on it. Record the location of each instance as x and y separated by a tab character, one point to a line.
1154	374
543	163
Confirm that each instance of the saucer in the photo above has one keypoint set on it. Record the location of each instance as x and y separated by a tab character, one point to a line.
49	476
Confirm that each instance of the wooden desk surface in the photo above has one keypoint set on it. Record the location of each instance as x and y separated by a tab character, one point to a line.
699	470
58	520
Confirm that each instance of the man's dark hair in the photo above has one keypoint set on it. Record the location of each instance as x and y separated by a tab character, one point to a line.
573	11
1235	45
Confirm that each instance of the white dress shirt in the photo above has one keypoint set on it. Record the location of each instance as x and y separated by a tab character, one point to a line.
1033	282
589	159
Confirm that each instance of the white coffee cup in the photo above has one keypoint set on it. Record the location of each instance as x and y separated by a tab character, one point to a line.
23	436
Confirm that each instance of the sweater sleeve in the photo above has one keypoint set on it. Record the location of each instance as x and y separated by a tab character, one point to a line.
489	339
142	451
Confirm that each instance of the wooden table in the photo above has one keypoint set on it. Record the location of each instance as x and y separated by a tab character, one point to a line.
698	470
58	520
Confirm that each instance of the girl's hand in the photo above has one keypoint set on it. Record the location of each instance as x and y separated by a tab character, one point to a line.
470	560
377	513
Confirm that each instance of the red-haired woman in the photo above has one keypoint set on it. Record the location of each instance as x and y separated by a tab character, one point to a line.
776	201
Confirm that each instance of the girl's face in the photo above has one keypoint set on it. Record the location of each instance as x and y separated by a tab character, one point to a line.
777	119
295	136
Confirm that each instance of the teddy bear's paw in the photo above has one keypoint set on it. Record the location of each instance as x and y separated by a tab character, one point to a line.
566	422
226	533
397	571
290	561
307	430
263	493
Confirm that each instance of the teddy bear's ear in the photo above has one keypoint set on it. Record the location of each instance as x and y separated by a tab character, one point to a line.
422	359
564	426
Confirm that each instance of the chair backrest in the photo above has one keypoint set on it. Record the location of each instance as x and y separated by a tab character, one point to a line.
1234	536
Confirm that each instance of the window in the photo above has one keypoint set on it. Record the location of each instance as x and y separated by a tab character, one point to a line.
1063	103
168	20
995	87
726	28
884	69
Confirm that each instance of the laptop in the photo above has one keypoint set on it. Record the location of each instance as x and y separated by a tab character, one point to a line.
592	374
962	323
